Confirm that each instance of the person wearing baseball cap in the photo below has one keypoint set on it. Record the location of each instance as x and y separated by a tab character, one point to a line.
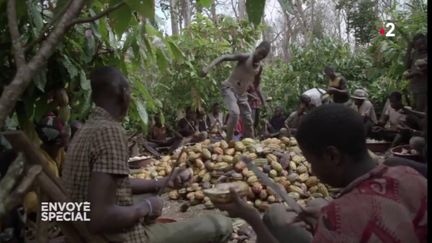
363	106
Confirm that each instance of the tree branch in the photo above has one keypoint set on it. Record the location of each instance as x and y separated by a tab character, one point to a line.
15	197
15	35
234	9
277	36
42	35
98	16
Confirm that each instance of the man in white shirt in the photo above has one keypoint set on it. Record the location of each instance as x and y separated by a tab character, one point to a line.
364	107
317	95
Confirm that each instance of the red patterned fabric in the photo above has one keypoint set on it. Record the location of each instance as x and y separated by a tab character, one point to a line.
389	204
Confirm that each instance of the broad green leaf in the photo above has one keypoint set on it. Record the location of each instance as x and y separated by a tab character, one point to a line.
84	82
90	48
143	92
40	80
151	31
72	70
147	44
130	39
142	111
36	16
205	3
255	10
102	27
120	19
86	104
177	53
144	8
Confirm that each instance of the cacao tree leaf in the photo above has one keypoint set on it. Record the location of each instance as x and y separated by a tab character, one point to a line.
40	80
151	31
205	3
35	15
84	82
144	8
130	39
161	60
142	111
255	10
103	30
176	52
86	105
120	19
72	70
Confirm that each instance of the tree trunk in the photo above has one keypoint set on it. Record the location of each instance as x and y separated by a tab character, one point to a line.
242	9
174	17
302	20
198	8
186	12
286	39
339	23
213	12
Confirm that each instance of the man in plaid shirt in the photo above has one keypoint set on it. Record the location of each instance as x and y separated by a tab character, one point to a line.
96	170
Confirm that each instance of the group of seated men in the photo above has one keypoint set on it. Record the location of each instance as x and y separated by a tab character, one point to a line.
397	124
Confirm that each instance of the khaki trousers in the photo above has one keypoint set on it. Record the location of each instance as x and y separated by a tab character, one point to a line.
210	228
237	105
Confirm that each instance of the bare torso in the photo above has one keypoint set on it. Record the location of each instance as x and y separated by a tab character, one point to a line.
243	75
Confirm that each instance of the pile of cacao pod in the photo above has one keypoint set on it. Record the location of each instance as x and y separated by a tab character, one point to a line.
217	162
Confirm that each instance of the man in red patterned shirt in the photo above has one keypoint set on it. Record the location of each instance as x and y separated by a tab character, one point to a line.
377	204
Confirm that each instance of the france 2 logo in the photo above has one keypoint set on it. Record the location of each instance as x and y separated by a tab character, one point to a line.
388	30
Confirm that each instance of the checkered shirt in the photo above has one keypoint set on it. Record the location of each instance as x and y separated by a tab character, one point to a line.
101	146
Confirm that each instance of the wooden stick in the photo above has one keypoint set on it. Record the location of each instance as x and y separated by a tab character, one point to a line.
14	172
173	172
16	197
21	143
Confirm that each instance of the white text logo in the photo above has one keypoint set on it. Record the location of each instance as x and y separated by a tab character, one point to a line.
65	211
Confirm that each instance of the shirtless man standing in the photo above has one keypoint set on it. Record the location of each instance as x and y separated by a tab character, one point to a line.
234	89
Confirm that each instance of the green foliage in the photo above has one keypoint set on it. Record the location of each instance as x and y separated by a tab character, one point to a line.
201	42
205	3
84	47
255	10
360	15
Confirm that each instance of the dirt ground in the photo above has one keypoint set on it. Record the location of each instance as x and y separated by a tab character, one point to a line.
172	210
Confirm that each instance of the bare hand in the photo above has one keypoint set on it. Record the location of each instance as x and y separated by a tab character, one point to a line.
238	208
312	212
152	206
180	178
